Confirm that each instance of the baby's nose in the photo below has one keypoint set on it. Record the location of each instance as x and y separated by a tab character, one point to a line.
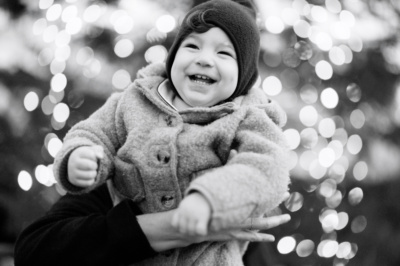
205	60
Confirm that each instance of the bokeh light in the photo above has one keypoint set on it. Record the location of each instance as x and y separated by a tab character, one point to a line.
121	79
355	196
25	180
329	98
31	101
359	224
157	53
58	82
308	115
54	146
292	138
354	144
92	13
294	202
272	86
328	248
166	23
305	248
61	112
274	24
360	170
323	70
286	245
124	48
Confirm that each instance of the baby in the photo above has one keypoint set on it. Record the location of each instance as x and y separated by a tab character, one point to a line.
167	141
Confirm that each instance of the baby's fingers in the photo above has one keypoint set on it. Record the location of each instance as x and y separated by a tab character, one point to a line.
201	227
86	165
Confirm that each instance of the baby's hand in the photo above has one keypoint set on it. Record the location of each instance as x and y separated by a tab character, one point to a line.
82	165
193	215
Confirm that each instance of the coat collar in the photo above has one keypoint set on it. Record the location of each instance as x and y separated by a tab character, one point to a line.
148	83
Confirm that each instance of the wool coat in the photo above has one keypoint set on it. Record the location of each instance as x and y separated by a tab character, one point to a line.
155	154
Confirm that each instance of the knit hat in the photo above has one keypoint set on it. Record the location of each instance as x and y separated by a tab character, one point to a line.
237	19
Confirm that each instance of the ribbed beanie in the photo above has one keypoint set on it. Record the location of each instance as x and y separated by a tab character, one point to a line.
238	20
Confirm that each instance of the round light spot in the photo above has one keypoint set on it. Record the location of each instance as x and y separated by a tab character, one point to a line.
92	13
31	101
74	26
165	23
355	196
24	180
54	12
327	127
308	115
54	146
360	170
305	248
123	48
309	138
354	144
286	245
292	138
272	86
327	248
274	24
58	82
359	224
329	98
302	28
157	53
324	70
121	79
294	202
61	112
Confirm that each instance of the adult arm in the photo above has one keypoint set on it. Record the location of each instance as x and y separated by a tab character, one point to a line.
87	230
84	230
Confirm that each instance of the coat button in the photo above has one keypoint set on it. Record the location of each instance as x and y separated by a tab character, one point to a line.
171	121
167	201
163	157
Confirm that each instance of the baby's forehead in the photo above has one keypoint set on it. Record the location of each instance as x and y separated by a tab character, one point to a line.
219	34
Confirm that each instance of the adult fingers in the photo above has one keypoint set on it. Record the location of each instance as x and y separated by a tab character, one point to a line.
264	223
252	236
244	235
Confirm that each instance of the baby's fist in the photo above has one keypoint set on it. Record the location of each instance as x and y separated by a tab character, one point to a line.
193	215
83	164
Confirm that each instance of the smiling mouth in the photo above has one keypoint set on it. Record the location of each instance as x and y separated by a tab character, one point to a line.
202	79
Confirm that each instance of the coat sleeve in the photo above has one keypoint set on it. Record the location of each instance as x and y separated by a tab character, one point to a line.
104	127
84	230
255	180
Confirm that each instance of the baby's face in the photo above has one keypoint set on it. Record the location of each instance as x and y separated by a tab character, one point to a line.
205	70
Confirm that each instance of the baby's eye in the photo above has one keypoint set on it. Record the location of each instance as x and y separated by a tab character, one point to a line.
226	53
191	46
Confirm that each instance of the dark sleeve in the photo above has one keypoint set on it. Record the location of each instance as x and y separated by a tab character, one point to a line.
84	230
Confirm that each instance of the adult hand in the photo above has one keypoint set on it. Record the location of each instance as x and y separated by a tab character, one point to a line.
163	236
